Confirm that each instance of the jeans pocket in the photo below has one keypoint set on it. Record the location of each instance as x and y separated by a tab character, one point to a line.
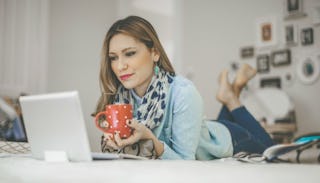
241	138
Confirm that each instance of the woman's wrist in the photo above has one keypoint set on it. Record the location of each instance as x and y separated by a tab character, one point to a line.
149	135
158	145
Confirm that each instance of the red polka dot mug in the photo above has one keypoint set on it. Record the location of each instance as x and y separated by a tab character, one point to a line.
114	119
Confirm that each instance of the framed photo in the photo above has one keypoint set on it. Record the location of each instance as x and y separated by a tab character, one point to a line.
307	36
282	57
263	63
270	82
293	9
247	52
308	70
265	32
291	34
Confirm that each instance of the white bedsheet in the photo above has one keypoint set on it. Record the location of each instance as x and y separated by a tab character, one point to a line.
25	169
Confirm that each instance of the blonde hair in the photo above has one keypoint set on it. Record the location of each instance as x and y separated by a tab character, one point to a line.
141	30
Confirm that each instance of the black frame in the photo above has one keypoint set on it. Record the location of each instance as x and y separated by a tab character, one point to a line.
263	64
307	36
281	57
270	82
291	34
293	9
247	52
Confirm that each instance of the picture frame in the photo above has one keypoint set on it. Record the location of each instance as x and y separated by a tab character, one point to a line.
291	34
274	82
266	31
307	36
281	57
263	63
247	52
308	69
293	9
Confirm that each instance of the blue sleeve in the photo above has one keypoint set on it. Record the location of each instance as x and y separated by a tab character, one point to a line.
186	124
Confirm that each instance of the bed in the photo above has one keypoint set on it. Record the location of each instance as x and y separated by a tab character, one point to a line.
23	168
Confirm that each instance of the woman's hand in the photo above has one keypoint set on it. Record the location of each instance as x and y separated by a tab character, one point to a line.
140	132
109	142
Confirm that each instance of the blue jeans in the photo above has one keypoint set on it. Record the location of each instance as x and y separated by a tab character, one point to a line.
246	132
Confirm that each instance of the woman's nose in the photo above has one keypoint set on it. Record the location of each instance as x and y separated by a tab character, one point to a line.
122	64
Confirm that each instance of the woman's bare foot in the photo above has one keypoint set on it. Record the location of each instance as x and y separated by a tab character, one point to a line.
225	93
244	74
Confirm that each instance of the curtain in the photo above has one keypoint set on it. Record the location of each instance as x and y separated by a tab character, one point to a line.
23	46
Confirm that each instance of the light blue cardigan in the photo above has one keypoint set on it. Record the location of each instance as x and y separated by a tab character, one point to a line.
184	132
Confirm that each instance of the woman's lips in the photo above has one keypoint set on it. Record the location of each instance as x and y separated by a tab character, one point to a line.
125	76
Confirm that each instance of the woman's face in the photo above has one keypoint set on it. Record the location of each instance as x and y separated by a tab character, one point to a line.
132	62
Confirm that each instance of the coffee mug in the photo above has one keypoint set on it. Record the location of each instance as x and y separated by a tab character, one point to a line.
114	119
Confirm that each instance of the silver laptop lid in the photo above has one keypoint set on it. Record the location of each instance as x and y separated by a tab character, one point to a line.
54	122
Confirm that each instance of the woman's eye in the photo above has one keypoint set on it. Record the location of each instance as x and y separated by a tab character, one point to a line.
130	53
112	58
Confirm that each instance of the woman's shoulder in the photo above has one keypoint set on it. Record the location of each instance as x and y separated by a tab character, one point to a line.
182	82
182	86
185	96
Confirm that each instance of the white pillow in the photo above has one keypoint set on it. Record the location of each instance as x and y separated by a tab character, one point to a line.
269	103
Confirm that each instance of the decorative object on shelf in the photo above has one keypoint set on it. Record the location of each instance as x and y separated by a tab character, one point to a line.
282	132
247	52
266	31
307	36
288	79
233	67
293	9
308	69
270	82
275	109
316	15
263	63
291	34
281	57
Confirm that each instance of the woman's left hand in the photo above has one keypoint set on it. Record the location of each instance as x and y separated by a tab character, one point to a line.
140	132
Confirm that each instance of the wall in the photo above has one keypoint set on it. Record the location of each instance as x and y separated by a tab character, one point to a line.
165	17
23	46
77	30
214	32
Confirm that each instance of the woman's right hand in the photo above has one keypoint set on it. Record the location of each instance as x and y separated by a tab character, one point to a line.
108	143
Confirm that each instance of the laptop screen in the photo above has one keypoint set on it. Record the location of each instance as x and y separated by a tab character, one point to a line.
54	122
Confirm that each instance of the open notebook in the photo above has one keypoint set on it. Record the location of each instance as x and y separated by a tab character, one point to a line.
55	127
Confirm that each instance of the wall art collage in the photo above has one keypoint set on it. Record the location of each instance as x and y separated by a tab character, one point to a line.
296	37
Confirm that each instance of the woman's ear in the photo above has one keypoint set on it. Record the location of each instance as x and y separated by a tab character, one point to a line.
155	55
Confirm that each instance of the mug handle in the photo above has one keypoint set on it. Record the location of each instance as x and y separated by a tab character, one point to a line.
97	120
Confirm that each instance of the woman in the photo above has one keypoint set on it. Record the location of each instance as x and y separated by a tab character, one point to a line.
168	112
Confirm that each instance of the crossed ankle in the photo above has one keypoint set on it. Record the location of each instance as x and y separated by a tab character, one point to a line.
234	104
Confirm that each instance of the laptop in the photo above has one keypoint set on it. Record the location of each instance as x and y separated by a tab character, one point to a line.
55	127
